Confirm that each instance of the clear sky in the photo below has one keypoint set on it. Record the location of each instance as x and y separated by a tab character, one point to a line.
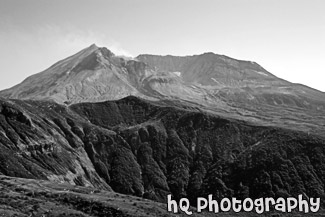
287	37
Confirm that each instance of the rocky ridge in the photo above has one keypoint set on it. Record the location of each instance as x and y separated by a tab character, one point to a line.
149	150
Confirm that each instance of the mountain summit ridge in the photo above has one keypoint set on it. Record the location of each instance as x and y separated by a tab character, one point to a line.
92	58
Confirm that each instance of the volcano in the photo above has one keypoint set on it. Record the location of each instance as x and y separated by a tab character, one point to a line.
96	123
211	82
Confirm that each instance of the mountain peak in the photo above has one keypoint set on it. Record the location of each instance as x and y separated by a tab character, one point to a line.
99	50
93	46
90	49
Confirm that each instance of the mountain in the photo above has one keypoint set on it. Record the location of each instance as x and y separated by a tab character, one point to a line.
157	125
93	74
214	83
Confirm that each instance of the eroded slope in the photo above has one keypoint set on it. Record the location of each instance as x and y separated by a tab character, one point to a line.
149	150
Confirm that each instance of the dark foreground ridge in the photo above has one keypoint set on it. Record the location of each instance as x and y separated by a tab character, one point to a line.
145	149
39	197
30	197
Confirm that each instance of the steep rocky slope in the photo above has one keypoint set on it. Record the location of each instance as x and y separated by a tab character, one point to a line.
151	149
192	153
36	141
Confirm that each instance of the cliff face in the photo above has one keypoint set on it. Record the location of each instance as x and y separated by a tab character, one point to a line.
152	149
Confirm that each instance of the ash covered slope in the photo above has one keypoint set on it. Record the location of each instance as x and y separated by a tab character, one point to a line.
215	83
228	79
149	149
238	89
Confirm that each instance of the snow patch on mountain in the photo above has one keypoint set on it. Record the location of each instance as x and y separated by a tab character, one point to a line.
178	74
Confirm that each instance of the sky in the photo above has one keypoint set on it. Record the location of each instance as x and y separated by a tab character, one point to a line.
286	37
